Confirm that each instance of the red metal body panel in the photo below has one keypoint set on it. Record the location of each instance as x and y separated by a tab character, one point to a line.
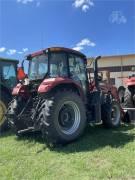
49	84
109	88
105	87
130	81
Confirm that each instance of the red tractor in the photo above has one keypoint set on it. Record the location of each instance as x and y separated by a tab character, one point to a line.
129	99
58	99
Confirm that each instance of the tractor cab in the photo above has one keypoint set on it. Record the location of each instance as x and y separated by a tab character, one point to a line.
8	71
8	79
56	63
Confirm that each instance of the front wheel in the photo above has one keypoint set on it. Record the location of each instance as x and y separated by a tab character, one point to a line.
4	99
121	93
63	117
111	114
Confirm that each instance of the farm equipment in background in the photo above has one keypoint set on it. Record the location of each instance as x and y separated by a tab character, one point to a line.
105	83
58	99
8	74
129	99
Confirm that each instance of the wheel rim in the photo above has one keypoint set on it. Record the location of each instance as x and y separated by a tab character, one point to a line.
69	117
115	114
2	112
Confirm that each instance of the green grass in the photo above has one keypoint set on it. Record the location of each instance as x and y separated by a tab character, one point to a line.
99	154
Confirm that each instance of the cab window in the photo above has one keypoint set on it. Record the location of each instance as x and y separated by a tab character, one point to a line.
77	70
9	74
58	65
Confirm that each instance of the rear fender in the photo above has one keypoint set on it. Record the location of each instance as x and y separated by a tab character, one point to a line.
49	84
130	81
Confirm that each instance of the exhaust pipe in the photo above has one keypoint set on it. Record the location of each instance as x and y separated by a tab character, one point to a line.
96	71
97	93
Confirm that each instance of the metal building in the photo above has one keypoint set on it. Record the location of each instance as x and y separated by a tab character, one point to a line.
119	66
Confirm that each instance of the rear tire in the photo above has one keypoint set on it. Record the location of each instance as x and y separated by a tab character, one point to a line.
111	114
128	103
62	117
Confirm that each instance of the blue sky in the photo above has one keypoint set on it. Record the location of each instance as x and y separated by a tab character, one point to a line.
95	27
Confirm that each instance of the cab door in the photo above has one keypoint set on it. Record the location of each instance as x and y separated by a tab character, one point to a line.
77	69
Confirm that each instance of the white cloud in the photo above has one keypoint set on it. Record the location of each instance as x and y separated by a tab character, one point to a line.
11	51
83	43
85	8
86	42
78	48
20	52
24	1
2	49
25	49
83	4
117	17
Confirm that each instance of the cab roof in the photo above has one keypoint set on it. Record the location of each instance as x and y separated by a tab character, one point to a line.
8	60
57	49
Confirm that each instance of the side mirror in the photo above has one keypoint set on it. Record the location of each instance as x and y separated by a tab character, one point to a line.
21	74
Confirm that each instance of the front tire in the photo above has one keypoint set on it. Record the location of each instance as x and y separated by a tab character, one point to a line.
111	114
121	93
4	99
63	118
